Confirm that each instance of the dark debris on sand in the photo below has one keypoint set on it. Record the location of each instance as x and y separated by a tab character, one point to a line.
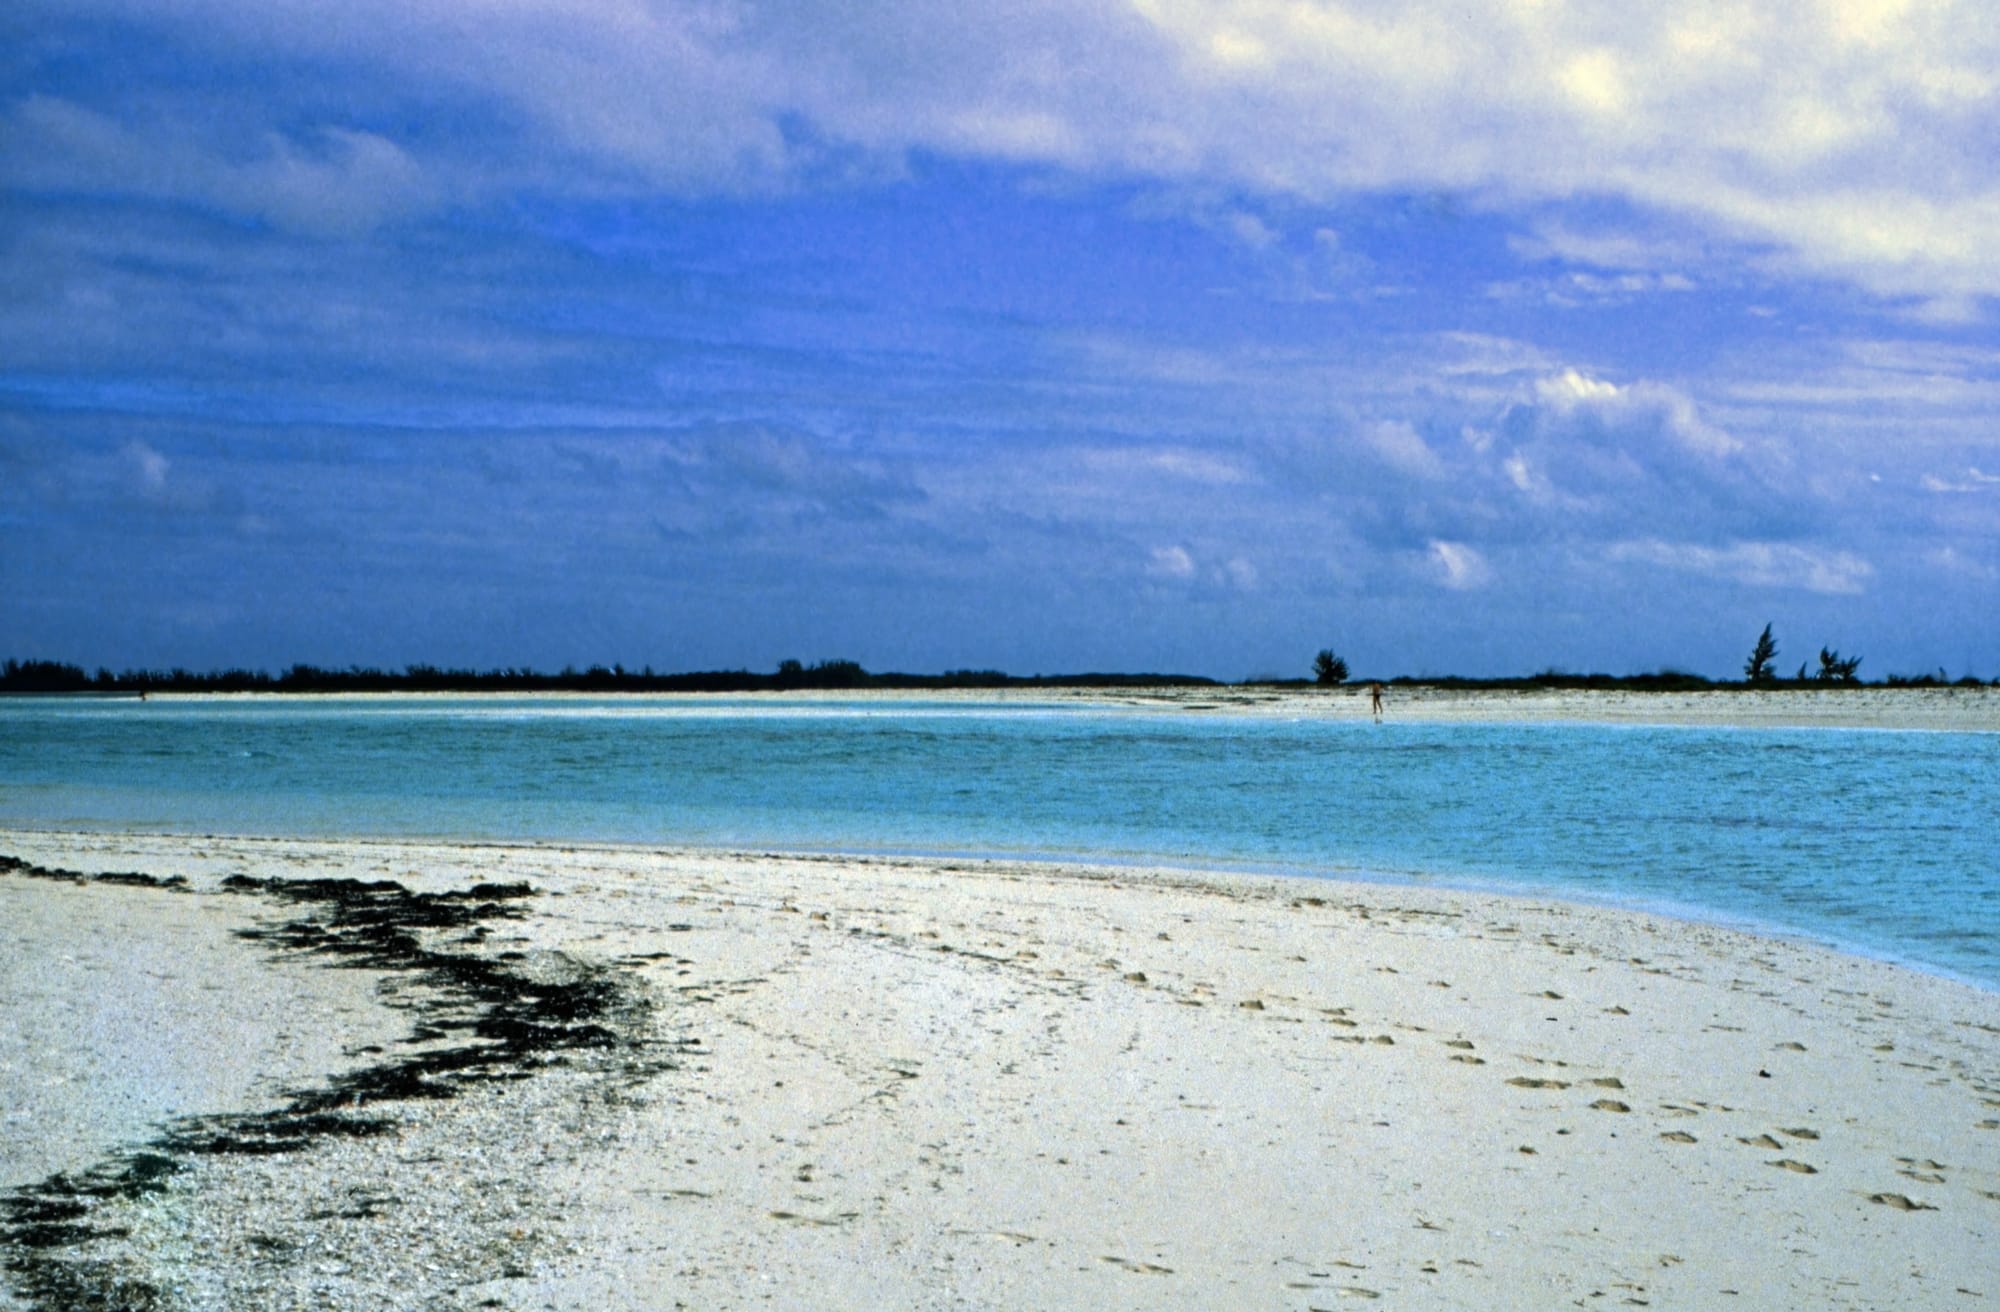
477	1019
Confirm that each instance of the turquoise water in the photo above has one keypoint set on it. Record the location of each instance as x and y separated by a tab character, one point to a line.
1883	842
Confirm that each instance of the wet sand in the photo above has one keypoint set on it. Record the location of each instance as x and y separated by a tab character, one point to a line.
947	1084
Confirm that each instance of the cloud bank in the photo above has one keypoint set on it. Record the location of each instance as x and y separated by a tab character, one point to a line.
1849	139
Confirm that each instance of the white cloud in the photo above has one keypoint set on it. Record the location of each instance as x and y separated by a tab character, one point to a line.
1973	480
1578	288
1617	249
1526	479
1458	566
1403	449
1862	158
1764	564
1841	145
1951	560
1570	390
334	182
1183	465
1479	353
1171	563
148	469
1252	231
1642	404
142	475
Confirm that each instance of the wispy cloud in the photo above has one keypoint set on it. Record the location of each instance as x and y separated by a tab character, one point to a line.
1772	564
336	181
1459	566
1973	480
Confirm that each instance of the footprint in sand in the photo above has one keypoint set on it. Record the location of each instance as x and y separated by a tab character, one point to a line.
1922	1169
1137	1268
1761	1141
1530	1082
1800	1168
1679	1136
1901	1203
1610	1105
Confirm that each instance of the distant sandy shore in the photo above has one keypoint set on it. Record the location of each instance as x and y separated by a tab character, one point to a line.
1971	710
1968	709
922	1084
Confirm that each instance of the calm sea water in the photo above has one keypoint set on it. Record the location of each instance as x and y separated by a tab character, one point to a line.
1884	842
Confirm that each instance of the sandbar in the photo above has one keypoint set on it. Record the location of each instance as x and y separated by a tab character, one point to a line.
991	1084
1964	708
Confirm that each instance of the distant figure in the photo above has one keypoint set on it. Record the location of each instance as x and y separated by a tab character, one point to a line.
1375	699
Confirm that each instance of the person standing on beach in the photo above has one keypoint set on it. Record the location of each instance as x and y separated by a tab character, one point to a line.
1375	699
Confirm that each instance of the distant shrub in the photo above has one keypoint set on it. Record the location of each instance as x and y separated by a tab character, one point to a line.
1329	669
1834	668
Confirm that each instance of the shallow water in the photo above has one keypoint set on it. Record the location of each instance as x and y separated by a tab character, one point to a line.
1880	841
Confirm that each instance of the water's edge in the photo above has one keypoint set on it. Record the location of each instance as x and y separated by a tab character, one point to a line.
1056	863
1876	841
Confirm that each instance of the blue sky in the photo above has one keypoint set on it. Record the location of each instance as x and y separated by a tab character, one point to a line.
1480	338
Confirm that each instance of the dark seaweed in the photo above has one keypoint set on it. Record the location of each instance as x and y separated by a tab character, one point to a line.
13	865
477	1019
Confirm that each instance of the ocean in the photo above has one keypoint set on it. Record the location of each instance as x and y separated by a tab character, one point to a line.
1878	841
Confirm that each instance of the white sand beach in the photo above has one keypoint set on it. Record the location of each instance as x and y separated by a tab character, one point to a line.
1966	709
928	1084
1959	708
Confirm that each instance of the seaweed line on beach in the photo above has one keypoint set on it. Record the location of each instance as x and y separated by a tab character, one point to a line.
479	1018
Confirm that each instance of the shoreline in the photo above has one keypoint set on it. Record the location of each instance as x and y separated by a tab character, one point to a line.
1950	708
994	1084
1058	863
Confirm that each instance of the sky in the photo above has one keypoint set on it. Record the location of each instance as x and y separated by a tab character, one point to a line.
1460	336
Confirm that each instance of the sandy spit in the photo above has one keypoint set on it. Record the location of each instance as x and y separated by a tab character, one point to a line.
1962	709
927	1084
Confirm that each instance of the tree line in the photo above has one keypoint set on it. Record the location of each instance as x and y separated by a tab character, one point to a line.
46	676
1328	669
